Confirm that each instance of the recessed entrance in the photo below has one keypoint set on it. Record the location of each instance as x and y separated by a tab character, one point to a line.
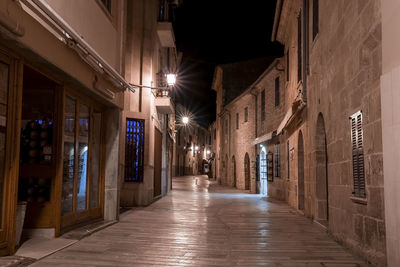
300	171
247	172
234	171
321	170
38	149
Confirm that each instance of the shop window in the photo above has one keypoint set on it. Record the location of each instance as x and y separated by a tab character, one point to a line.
134	150
270	166
277	160
69	156
358	155
82	157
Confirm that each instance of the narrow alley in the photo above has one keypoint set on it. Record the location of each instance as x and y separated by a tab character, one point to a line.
201	223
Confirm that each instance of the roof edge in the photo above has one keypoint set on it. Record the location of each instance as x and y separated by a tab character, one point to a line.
277	18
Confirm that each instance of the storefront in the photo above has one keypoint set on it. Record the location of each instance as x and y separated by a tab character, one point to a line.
52	153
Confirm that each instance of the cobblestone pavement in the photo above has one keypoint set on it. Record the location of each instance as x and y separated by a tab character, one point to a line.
203	224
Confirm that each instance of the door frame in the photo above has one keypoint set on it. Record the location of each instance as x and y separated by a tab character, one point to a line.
11	161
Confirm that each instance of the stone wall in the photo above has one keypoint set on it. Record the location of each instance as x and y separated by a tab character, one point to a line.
241	140
343	78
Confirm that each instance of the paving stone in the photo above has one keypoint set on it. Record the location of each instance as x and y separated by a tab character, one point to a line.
204	224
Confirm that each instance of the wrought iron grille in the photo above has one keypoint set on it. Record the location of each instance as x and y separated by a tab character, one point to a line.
134	150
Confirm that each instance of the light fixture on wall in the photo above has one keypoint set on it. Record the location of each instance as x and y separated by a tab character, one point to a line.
171	79
185	120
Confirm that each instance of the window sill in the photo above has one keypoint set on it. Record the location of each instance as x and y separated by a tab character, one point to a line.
359	200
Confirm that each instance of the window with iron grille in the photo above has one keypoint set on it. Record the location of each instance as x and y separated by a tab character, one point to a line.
263	105
277	160
277	91
246	114
107	5
358	154
237	121
134	150
299	47
315	18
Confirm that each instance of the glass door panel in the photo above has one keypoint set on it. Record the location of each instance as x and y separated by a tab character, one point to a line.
83	149
95	161
69	156
4	74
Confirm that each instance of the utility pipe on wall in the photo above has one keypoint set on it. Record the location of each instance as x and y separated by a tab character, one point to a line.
76	42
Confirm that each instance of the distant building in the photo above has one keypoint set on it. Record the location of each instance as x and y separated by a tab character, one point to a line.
192	149
235	157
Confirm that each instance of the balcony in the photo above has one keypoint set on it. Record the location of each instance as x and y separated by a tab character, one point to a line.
166	34
163	102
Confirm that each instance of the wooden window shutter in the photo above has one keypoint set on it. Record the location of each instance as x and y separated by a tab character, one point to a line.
358	155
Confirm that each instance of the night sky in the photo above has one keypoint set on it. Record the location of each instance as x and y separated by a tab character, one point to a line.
212	32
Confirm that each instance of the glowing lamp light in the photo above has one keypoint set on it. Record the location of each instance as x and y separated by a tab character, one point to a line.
197	148
208	152
185	120
171	79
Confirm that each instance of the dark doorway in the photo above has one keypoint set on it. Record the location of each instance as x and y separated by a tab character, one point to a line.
321	172
246	172
234	171
300	171
157	162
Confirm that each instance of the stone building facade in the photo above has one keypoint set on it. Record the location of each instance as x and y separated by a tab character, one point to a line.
335	128
235	125
316	136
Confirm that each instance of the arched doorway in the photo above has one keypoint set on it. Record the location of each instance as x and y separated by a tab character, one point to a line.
234	171
246	172
263	171
321	172
300	171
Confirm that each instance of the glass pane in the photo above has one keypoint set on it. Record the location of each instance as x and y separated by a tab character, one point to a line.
69	156
3	124
83	144
95	161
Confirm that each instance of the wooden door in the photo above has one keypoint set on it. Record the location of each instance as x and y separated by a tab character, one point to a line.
157	162
10	110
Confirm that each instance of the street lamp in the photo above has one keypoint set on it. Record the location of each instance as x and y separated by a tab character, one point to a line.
171	79
185	120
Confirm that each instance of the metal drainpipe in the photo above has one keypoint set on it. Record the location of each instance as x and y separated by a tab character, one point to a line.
305	49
